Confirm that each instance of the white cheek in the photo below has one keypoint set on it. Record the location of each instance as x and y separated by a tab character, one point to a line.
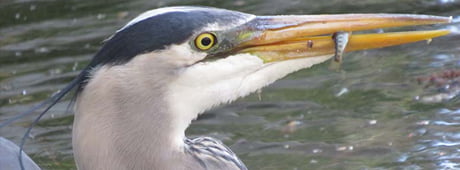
183	55
205	85
210	73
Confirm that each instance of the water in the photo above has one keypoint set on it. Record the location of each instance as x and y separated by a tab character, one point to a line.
364	116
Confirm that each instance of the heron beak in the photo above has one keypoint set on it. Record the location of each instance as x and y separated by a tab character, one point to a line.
278	38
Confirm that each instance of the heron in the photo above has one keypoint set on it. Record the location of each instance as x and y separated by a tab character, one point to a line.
164	68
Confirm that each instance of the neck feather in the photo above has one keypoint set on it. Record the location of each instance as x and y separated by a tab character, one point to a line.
123	120
136	114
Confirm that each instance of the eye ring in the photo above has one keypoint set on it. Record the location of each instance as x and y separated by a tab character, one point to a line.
205	41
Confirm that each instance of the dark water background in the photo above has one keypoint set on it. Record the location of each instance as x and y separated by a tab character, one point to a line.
362	117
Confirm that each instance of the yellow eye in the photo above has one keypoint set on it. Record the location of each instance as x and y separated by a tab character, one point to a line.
205	41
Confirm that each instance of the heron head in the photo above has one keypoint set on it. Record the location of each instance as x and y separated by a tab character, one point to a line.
194	58
213	56
217	33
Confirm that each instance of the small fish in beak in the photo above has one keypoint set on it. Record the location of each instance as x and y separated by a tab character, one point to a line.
341	41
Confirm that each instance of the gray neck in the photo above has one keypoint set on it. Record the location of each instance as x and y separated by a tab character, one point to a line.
122	120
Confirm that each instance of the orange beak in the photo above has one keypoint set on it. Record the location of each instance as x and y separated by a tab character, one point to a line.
278	38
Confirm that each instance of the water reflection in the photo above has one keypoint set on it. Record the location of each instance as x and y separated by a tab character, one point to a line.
441	140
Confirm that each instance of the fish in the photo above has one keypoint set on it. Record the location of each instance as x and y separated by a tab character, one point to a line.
341	41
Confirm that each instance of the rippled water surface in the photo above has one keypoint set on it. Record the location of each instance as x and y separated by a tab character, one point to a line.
364	116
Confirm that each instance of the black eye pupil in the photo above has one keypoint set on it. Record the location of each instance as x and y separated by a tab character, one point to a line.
206	41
